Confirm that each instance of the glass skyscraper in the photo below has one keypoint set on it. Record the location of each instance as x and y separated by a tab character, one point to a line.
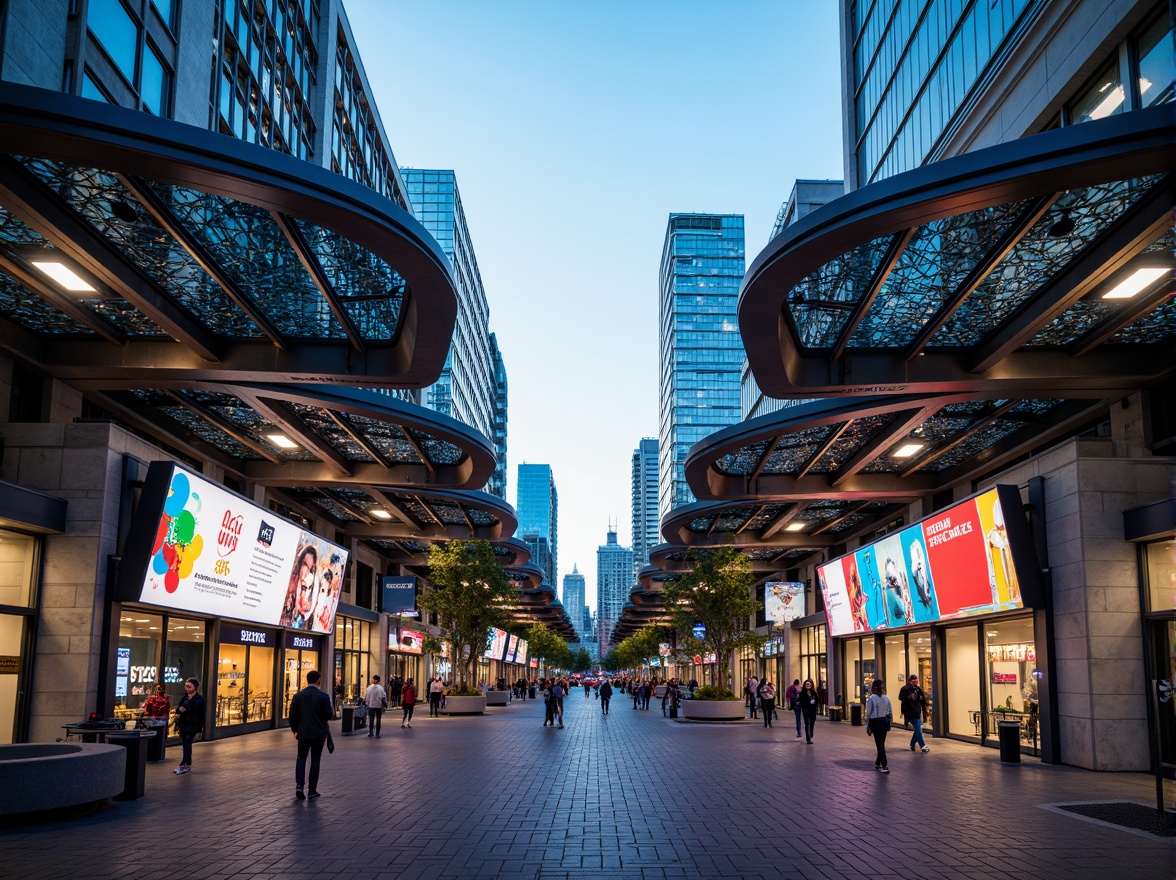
466	389
573	598
497	484
645	521
537	505
701	352
614	578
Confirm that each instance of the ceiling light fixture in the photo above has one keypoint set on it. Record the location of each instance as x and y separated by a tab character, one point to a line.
907	450
65	277
1138	280
281	441
795	527
381	513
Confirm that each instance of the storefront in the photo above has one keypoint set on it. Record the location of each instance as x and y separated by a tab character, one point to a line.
947	600
354	630
216	588
19	573
404	654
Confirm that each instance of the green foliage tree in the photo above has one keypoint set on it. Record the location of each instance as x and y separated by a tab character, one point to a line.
470	593
581	661
543	642
633	652
717	593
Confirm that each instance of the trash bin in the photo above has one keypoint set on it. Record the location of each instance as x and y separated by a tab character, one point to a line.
135	776
835	713
157	745
348	720
1009	734
855	714
532	691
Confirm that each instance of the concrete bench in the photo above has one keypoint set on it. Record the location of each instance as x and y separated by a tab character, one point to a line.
50	776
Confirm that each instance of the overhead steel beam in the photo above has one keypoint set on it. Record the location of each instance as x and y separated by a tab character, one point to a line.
62	302
890	258
357	437
284	417
932	454
899	426
225	425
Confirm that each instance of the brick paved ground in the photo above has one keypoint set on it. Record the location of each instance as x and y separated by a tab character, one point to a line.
628	796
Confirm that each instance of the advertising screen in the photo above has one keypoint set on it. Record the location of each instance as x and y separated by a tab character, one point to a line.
196	546
398	596
495	644
512	648
974	557
783	601
521	653
408	642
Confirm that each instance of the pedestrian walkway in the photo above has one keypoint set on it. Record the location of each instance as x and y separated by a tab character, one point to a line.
633	795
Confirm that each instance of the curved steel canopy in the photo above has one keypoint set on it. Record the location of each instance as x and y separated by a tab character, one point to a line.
206	257
984	272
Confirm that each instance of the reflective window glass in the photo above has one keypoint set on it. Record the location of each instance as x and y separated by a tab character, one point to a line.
183	656
1103	98
112	25
1160	560
11	641
1012	672
156	83
137	664
165	10
965	715
1157	64
91	90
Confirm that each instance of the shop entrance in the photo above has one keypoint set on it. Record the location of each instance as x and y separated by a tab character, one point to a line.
244	679
301	655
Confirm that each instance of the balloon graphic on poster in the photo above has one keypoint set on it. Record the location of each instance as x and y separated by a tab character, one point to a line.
177	545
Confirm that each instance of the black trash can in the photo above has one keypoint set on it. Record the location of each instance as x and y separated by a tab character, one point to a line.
1009	734
835	713
135	776
531	690
855	714
157	745
348	720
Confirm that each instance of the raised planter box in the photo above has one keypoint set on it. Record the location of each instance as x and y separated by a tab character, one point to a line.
714	710
35	777
464	706
497	698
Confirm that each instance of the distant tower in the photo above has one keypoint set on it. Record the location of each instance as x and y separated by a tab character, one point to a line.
645	522
614	577
497	484
537	504
573	598
701	352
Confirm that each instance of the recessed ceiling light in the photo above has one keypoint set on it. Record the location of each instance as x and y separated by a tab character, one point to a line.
66	277
795	527
907	450
1138	280
381	513
281	441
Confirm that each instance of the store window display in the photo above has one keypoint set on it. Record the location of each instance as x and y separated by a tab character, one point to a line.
965	711
18	566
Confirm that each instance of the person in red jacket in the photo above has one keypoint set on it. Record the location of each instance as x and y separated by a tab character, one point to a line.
408	698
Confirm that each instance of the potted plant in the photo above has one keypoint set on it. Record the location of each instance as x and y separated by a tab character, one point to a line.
470	593
711	607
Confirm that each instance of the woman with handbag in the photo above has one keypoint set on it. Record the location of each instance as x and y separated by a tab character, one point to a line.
878	718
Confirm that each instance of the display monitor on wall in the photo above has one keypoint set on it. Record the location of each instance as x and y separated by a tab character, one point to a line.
783	601
512	648
195	546
975	557
495	644
521	653
408	642
398	596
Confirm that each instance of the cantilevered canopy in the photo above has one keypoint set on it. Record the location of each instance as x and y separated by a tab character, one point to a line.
302	435
138	248
765	558
998	270
862	453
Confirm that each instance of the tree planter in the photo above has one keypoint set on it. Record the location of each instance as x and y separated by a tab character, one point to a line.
464	706
714	710
497	698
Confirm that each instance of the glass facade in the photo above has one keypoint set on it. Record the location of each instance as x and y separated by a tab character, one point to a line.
497	484
914	64
19	563
614	579
352	659
140	54
645	521
537	505
467	389
357	150
573	598
701	352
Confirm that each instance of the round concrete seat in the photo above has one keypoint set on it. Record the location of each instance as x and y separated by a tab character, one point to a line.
49	776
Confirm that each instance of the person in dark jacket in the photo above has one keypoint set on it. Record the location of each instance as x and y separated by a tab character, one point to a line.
189	721
605	695
310	712
808	708
913	700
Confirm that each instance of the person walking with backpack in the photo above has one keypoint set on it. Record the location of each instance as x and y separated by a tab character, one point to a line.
408	698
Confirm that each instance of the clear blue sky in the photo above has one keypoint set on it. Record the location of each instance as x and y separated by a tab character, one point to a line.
575	130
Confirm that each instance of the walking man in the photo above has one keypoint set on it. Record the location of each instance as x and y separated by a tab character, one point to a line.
436	691
913	701
310	712
377	700
605	696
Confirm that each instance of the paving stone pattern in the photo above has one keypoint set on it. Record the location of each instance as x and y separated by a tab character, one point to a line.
632	795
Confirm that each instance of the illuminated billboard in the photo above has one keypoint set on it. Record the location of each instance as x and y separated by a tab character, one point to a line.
783	601
408	642
975	557
196	546
521	652
495	644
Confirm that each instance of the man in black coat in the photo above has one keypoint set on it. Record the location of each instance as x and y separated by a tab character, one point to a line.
310	711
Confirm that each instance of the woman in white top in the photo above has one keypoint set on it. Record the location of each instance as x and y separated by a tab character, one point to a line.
878	717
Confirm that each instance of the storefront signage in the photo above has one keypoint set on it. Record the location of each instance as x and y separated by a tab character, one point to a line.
231	634
408	642
196	546
699	631
975	557
1012	653
398	596
783	601
298	642
1004	678
663	649
9	665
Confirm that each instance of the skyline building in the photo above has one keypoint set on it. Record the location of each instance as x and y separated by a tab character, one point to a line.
700	350
537	506
614	577
497	484
467	388
573	599
644	515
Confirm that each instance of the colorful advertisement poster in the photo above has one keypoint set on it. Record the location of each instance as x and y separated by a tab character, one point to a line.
408	642
958	562
512	647
495	644
217	553
783	601
521	652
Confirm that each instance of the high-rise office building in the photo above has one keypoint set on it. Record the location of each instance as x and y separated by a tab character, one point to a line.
645	522
537	506
573	598
497	484
466	389
614	577
700	350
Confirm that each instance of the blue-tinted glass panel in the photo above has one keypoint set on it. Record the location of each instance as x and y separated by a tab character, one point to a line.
91	90
165	10
821	303
1157	64
118	33
210	433
156	87
1157	325
1105	97
19	305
